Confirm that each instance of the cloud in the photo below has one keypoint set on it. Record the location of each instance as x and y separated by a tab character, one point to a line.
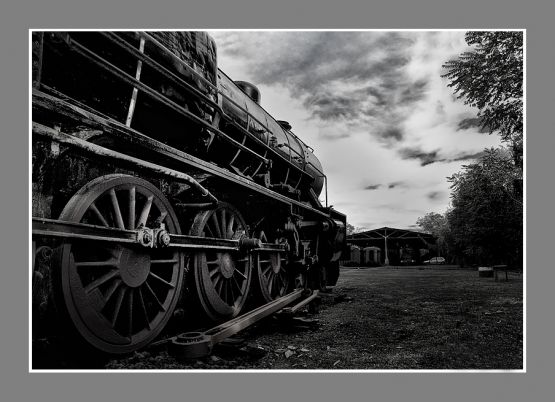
396	184
373	106
357	79
425	158
414	92
435	195
334	135
372	187
428	158
464	156
392	133
471	122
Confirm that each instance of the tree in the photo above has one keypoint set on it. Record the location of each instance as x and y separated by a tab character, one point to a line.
490	78
486	215
431	222
350	229
437	225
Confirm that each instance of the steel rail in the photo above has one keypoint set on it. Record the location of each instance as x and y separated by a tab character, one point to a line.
221	332
198	344
304	302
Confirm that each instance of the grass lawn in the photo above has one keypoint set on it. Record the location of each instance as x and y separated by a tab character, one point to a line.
385	318
430	319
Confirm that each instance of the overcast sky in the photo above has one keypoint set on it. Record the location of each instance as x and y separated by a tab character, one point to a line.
382	121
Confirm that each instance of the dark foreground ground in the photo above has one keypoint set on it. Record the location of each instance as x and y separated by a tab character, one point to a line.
382	318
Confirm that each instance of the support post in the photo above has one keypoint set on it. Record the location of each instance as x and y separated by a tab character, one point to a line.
386	261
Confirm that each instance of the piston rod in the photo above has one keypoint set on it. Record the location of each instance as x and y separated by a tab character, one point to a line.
73	230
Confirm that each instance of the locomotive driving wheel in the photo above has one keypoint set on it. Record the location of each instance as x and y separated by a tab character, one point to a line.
221	279
273	278
118	296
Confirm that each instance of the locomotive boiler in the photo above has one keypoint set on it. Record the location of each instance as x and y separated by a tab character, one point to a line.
162	190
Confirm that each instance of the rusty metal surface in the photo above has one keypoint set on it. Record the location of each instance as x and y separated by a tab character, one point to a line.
99	151
304	302
107	66
198	344
43	101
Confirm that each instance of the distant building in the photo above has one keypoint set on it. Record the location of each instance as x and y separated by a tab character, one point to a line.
391	246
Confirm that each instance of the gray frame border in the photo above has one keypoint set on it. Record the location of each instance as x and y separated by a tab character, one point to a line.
18	384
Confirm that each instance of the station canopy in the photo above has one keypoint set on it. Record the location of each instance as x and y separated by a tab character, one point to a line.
370	237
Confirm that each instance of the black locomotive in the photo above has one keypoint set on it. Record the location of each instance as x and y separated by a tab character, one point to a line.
161	188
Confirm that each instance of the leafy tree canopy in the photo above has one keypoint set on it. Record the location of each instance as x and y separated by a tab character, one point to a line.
486	215
432	223
490	78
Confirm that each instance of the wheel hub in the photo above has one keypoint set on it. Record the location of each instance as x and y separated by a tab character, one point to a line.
227	267
134	267
276	262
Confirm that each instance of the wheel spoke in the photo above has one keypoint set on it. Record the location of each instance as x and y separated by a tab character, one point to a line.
146	210
265	270
230	285
224	286
103	279
218	283
112	289
119	301
171	285
214	271
117	211
216	225
283	279
108	263
280	279
130	308
270	282
240	273
160	305
98	215
207	227
237	284
132	203
162	217
223	225
143	307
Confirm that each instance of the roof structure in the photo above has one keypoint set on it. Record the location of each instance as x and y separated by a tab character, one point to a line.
392	234
395	237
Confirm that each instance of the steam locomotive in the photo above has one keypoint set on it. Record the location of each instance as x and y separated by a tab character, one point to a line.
162	190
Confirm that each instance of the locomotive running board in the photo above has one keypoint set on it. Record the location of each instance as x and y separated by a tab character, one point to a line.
191	345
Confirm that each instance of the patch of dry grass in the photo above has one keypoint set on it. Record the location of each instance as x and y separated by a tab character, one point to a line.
387	319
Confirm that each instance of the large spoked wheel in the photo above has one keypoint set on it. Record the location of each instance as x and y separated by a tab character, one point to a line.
221	279
273	279
119	297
